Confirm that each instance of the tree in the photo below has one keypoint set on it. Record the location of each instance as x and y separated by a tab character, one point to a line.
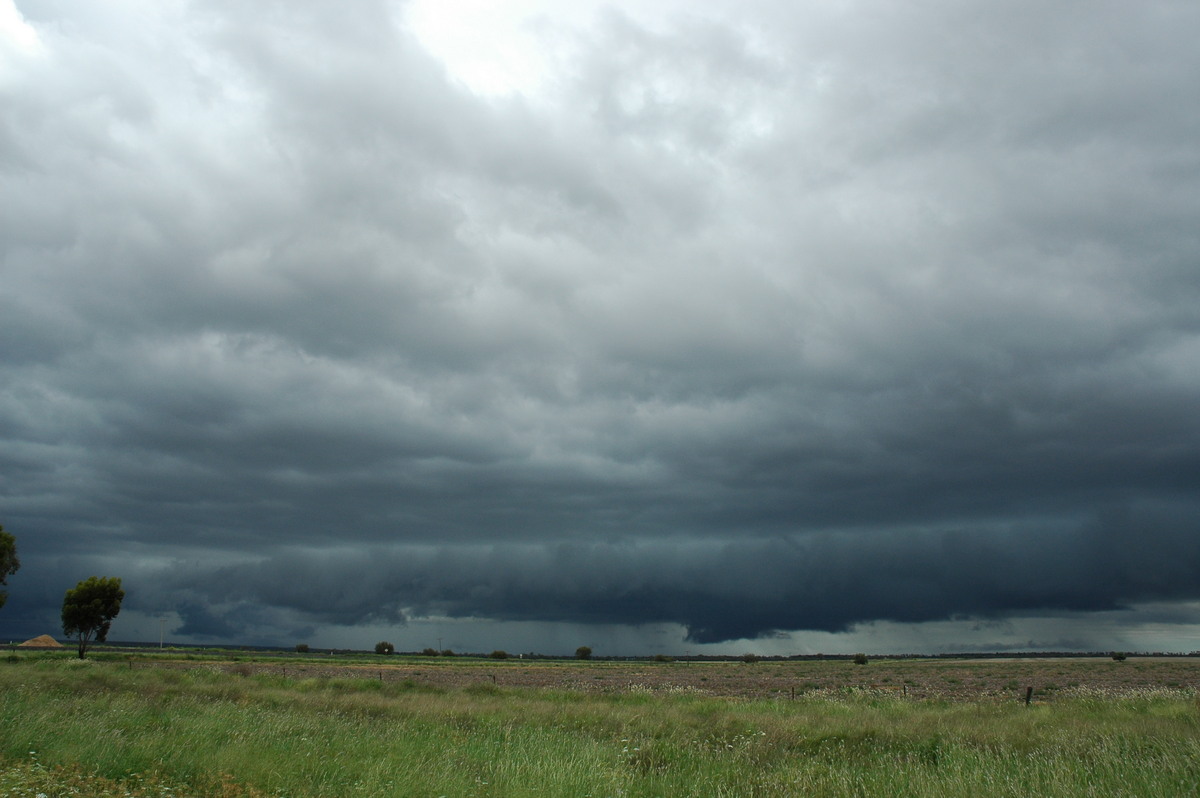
384	647
860	659
89	608
583	652
8	561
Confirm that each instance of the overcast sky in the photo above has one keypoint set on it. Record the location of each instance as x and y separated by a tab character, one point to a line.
657	327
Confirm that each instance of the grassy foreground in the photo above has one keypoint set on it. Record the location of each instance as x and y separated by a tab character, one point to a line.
100	729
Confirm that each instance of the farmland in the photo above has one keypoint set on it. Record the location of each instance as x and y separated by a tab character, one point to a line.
154	725
938	679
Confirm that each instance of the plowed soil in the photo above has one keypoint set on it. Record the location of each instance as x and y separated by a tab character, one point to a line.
940	679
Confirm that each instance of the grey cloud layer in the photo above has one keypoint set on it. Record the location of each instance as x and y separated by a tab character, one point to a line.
769	320
722	590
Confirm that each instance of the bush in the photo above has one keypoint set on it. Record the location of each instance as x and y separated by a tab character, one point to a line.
498	654
583	652
860	659
748	657
447	652
662	658
302	648
384	647
1119	656
429	652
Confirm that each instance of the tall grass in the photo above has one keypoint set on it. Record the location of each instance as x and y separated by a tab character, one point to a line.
211	733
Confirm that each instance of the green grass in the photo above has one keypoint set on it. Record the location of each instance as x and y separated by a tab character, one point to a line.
101	729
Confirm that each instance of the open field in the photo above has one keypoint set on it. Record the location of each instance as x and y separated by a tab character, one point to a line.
940	679
154	726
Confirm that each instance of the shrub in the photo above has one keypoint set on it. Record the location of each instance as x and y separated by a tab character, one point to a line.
860	659
447	652
302	648
384	647
748	657
429	652
662	658
583	652
498	654
1119	656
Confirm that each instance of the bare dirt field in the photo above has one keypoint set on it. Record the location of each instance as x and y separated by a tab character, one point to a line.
940	679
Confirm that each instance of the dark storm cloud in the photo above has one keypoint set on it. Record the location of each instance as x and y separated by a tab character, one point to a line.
761	320
751	588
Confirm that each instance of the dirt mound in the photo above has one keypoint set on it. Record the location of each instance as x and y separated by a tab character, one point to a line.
45	641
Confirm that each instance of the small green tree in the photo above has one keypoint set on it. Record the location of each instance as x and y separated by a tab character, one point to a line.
583	652
384	647
8	561
1118	656
499	654
302	648
89	608
860	659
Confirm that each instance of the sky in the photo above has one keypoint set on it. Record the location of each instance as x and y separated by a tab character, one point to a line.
742	326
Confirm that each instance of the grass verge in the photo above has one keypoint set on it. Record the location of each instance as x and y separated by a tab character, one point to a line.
99	729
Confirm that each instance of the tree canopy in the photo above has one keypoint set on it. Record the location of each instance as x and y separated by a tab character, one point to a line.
8	561
89	608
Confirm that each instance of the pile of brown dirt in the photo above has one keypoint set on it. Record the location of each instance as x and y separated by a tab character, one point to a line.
45	641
